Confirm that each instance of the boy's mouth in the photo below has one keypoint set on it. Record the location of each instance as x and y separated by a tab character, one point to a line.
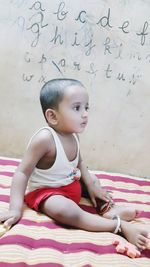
83	124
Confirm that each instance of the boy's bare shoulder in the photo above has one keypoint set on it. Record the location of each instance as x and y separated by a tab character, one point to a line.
42	138
44	134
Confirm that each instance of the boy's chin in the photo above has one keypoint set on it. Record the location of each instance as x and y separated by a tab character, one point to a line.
80	131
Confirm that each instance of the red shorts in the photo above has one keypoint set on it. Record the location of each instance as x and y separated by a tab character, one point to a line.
72	191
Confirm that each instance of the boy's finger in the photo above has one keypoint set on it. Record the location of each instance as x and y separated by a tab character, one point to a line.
94	202
3	218
109	197
106	199
108	194
2	230
109	191
9	223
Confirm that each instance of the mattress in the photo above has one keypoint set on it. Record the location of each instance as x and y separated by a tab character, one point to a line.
38	241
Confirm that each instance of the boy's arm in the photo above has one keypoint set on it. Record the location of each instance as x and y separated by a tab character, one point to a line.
17	191
93	185
37	149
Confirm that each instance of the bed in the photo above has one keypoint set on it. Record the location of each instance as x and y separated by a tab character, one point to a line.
38	241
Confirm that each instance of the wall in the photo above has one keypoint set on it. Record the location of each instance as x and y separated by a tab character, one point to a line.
106	45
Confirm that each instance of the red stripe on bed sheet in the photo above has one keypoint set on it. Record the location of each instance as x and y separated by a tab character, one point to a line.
123	179
4	186
5	162
49	224
31	243
4	198
144	214
116	200
22	264
9	174
139	192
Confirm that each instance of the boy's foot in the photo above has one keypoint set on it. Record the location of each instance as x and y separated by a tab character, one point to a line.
125	213
138	237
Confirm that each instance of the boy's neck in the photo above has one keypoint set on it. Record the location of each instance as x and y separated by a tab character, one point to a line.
60	132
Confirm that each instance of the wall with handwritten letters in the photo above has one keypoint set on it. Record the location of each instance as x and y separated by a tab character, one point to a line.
104	44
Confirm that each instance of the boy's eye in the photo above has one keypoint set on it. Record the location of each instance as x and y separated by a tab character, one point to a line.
87	108
77	108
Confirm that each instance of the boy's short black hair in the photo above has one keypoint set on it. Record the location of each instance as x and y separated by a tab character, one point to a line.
52	92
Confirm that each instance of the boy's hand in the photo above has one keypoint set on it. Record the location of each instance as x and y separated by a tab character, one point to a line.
9	218
96	191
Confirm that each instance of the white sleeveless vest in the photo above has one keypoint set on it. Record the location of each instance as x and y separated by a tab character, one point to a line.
62	172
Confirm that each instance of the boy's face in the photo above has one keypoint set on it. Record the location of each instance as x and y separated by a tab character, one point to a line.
72	113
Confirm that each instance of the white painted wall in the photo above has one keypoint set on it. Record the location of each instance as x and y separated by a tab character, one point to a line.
106	45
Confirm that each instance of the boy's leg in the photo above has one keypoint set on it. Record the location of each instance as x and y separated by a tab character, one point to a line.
125	213
68	212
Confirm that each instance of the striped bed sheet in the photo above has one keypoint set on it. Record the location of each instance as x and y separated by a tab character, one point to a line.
38	241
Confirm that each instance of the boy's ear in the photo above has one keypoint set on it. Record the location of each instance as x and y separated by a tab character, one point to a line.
51	117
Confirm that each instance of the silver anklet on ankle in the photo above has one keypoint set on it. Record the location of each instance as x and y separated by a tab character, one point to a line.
118	227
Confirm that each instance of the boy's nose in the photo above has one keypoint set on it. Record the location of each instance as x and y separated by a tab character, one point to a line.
84	113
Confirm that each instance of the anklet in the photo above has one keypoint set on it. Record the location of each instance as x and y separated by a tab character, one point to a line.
118	227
